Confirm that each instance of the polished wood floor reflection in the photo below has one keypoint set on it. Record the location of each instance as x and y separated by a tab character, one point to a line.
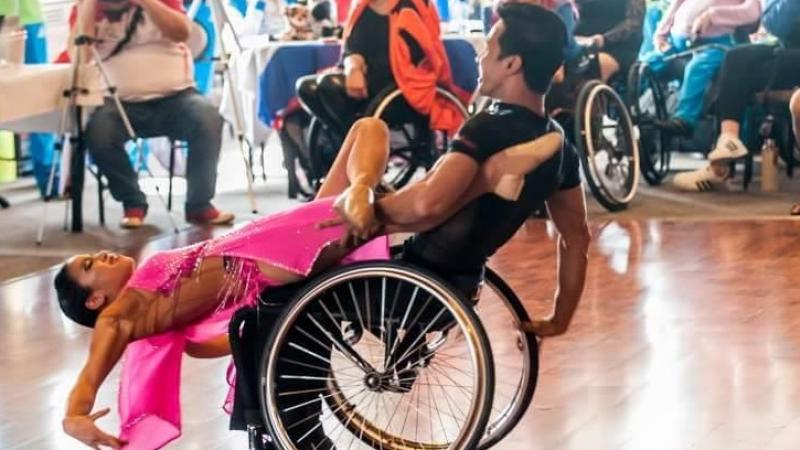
688	337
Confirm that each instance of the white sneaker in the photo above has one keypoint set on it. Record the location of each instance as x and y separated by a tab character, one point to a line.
700	180
728	147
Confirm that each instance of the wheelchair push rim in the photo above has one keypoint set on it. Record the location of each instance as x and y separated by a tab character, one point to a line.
363	399
515	355
609	149
648	103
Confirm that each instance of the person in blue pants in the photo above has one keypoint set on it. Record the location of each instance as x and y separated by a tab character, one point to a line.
689	24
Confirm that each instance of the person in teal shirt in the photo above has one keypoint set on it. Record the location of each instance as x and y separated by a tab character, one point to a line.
32	20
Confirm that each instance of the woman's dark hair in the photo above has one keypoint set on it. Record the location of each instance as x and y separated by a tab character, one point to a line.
72	299
538	36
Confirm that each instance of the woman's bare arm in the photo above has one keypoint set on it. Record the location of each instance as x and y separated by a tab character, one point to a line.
112	333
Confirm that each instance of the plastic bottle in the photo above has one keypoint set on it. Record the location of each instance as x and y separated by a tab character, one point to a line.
769	166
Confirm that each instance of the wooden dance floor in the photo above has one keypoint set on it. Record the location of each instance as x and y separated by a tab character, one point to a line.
688	337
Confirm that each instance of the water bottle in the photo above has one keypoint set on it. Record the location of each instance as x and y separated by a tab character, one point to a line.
769	166
769	156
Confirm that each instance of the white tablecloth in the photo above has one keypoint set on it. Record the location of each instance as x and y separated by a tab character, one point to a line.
247	67
31	96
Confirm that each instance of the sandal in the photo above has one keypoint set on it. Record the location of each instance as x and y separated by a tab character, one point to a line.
795	211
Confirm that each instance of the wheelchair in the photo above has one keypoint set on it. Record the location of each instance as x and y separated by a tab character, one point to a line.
413	144
604	134
653	96
383	355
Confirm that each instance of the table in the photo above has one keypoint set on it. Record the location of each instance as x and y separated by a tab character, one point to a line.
266	73
31	100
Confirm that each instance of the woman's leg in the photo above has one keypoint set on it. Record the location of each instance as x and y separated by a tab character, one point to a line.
361	160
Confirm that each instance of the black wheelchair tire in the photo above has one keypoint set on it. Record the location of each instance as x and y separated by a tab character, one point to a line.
476	329
655	154
526	396
600	194
318	137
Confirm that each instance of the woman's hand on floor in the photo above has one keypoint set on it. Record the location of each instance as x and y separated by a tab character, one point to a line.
84	429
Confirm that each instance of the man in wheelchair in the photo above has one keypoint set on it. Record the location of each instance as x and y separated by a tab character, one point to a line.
469	205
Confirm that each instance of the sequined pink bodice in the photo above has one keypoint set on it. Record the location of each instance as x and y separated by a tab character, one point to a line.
149	387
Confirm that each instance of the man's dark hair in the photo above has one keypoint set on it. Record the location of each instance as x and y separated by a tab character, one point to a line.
72	299
538	36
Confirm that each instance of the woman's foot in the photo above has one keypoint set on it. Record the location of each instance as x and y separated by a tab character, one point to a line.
795	211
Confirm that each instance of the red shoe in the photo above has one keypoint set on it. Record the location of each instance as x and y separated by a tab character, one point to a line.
210	216
133	217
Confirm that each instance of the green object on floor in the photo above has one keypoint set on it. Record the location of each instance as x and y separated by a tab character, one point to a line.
8	166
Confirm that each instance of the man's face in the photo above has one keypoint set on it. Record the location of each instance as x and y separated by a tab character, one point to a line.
491	65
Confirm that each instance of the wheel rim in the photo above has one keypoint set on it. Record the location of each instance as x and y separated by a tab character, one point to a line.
650	106
612	150
365	406
512	363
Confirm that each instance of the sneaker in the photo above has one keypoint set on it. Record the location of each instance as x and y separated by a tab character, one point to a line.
210	216
675	127
700	180
133	217
728	147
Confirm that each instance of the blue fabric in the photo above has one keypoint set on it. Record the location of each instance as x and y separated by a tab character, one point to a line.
40	144
204	65
699	74
566	14
780	17
240	5
276	86
443	8
651	19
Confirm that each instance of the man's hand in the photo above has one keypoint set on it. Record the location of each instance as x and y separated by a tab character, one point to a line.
701	24
356	84
661	43
83	429
356	209
544	328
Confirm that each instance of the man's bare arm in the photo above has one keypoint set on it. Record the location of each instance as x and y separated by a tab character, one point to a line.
425	204
568	210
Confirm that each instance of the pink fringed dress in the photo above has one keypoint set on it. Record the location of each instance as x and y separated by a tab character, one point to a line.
149	394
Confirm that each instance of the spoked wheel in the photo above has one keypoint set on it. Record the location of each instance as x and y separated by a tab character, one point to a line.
377	355
515	354
608	146
411	149
648	103
418	146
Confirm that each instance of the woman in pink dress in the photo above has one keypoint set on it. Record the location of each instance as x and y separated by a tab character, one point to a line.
180	301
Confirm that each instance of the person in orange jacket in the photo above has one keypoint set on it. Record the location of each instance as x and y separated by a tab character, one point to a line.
386	43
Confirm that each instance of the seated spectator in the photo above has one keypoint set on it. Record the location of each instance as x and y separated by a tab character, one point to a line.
142	47
385	42
688	24
614	27
739	82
